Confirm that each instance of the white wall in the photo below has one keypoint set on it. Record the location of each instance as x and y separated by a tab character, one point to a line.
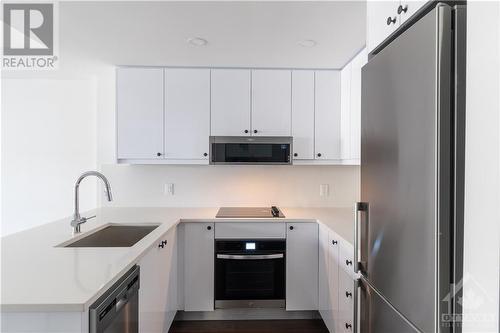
48	140
482	219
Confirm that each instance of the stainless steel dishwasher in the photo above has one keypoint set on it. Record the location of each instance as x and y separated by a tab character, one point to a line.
117	311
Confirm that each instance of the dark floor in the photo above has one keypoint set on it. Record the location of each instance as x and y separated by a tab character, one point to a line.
249	326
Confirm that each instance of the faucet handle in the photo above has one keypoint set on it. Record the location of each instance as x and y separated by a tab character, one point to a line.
85	219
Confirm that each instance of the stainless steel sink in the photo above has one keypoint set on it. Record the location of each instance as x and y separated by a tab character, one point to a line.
113	235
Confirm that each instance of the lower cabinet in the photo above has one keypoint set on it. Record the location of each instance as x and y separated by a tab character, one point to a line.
158	285
302	266
336	281
199	266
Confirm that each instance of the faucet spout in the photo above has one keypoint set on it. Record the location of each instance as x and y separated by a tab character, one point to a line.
77	219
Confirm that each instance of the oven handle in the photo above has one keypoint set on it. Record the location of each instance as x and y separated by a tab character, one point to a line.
250	257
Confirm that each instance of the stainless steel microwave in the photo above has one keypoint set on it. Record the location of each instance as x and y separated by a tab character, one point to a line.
243	150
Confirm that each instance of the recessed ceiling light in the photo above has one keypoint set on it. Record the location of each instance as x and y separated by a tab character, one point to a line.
307	43
197	41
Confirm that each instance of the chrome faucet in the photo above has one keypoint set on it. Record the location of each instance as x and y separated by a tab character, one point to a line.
77	219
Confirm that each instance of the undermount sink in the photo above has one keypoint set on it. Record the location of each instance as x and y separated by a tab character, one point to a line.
113	235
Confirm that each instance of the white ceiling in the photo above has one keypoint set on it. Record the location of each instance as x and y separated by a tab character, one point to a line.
260	34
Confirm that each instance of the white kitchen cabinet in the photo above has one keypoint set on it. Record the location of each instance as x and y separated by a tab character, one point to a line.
345	110
346	303
384	17
271	102
351	108
199	266
230	102
303	114
382	20
336	283
324	300
139	107
407	8
158	290
302	266
187	113
327	115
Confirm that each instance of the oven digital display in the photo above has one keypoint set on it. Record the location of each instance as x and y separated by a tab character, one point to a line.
249	246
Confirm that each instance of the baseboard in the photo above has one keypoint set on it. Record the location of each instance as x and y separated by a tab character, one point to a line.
246	314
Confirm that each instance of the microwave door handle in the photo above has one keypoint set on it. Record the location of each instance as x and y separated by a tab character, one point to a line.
250	256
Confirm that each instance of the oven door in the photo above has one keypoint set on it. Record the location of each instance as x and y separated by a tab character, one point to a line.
250	150
250	280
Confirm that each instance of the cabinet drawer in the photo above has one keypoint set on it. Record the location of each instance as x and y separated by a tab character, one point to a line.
346	257
346	302
245	230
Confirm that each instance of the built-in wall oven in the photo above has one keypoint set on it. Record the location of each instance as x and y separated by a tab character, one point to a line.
250	273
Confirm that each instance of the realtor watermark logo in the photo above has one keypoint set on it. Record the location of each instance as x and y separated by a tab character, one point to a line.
30	36
465	303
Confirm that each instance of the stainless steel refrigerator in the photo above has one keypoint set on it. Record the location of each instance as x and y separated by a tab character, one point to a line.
409	223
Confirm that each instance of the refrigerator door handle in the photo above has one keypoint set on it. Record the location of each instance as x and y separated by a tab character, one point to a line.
357	283
358	265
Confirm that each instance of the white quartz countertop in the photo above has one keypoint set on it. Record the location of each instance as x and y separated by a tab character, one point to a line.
36	275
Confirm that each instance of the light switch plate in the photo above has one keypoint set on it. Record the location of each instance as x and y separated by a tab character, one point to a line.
169	189
324	190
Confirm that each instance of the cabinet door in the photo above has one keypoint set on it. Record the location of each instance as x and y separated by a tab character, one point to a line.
355	104
327	115
303	114
345	111
324	301
187	113
302	266
230	111
199	267
382	20
139	113
333	275
169	259
408	8
271	102
157	289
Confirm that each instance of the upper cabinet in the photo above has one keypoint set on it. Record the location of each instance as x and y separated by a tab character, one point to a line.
351	108
303	114
230	102
187	113
271	102
384	17
327	115
166	115
139	104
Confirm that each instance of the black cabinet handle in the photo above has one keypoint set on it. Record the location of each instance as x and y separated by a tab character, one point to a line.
348	294
205	154
402	9
319	154
295	154
348	262
209	227
161	245
246	131
255	131
391	20
291	227
334	242
348	326
158	154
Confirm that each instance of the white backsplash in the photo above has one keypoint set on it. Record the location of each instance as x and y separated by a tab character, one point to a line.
211	186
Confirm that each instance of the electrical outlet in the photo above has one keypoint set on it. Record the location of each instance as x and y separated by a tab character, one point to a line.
324	190
169	189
